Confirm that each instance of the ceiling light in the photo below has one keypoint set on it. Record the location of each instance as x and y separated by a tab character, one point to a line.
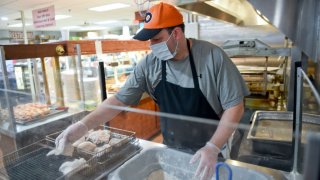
106	22
71	27
92	28
4	19
58	17
18	25
109	7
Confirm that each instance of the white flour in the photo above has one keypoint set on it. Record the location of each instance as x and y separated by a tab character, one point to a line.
160	175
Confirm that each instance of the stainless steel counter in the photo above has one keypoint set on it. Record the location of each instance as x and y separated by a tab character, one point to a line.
147	145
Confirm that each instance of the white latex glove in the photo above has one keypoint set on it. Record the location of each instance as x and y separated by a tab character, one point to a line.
67	137
208	156
69	166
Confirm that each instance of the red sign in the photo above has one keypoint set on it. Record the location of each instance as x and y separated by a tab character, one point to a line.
44	17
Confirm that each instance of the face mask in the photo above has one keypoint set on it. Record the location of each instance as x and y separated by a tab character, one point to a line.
161	50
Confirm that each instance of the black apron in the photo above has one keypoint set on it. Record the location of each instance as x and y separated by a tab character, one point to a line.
184	135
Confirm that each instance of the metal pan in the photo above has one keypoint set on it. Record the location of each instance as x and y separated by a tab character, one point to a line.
271	131
52	113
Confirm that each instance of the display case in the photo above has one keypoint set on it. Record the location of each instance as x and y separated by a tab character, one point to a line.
46	87
31	105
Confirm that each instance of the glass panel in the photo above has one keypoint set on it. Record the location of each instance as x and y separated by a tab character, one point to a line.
118	67
310	116
33	112
256	140
8	97
155	158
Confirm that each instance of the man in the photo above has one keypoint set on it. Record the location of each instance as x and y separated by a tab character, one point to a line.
184	76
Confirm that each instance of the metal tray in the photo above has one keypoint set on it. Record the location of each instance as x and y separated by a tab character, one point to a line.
271	131
31	162
52	113
128	138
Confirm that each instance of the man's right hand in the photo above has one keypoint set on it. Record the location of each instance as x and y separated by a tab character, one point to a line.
67	137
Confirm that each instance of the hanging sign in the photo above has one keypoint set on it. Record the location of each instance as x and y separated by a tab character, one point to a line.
44	17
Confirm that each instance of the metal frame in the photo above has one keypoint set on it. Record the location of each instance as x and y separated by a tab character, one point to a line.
301	76
257	48
259	52
102	80
79	66
254	48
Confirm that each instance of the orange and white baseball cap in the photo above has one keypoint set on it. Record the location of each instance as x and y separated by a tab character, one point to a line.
159	16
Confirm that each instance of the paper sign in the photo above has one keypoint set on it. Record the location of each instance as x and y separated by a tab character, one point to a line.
19	35
44	17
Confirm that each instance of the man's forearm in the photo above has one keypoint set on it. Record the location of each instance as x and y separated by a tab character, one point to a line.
228	123
103	113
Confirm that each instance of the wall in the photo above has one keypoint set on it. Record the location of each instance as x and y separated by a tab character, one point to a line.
4	37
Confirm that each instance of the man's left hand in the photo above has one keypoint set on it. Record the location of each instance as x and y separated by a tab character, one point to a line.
208	156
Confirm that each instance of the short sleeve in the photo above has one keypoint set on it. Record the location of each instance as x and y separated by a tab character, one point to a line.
230	84
131	92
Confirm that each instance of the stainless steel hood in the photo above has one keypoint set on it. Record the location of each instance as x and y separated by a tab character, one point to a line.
239	12
207	10
297	19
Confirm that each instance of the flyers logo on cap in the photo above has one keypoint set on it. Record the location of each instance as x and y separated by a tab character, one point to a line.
148	17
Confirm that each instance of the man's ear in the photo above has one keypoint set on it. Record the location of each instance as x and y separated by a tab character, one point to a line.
178	34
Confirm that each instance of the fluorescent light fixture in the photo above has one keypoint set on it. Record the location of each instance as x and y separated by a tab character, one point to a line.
18	25
106	22
4	19
92	28
109	7
58	17
71	27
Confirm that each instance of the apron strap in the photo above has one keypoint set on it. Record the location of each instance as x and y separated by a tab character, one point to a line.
164	73
193	67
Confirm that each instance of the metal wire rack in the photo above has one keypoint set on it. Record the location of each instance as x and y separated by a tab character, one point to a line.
127	138
32	162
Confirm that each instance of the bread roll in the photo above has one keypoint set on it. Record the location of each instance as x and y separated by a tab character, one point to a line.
99	136
87	146
105	148
79	141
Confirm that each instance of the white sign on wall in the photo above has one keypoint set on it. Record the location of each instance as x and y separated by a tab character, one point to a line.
19	35
44	17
